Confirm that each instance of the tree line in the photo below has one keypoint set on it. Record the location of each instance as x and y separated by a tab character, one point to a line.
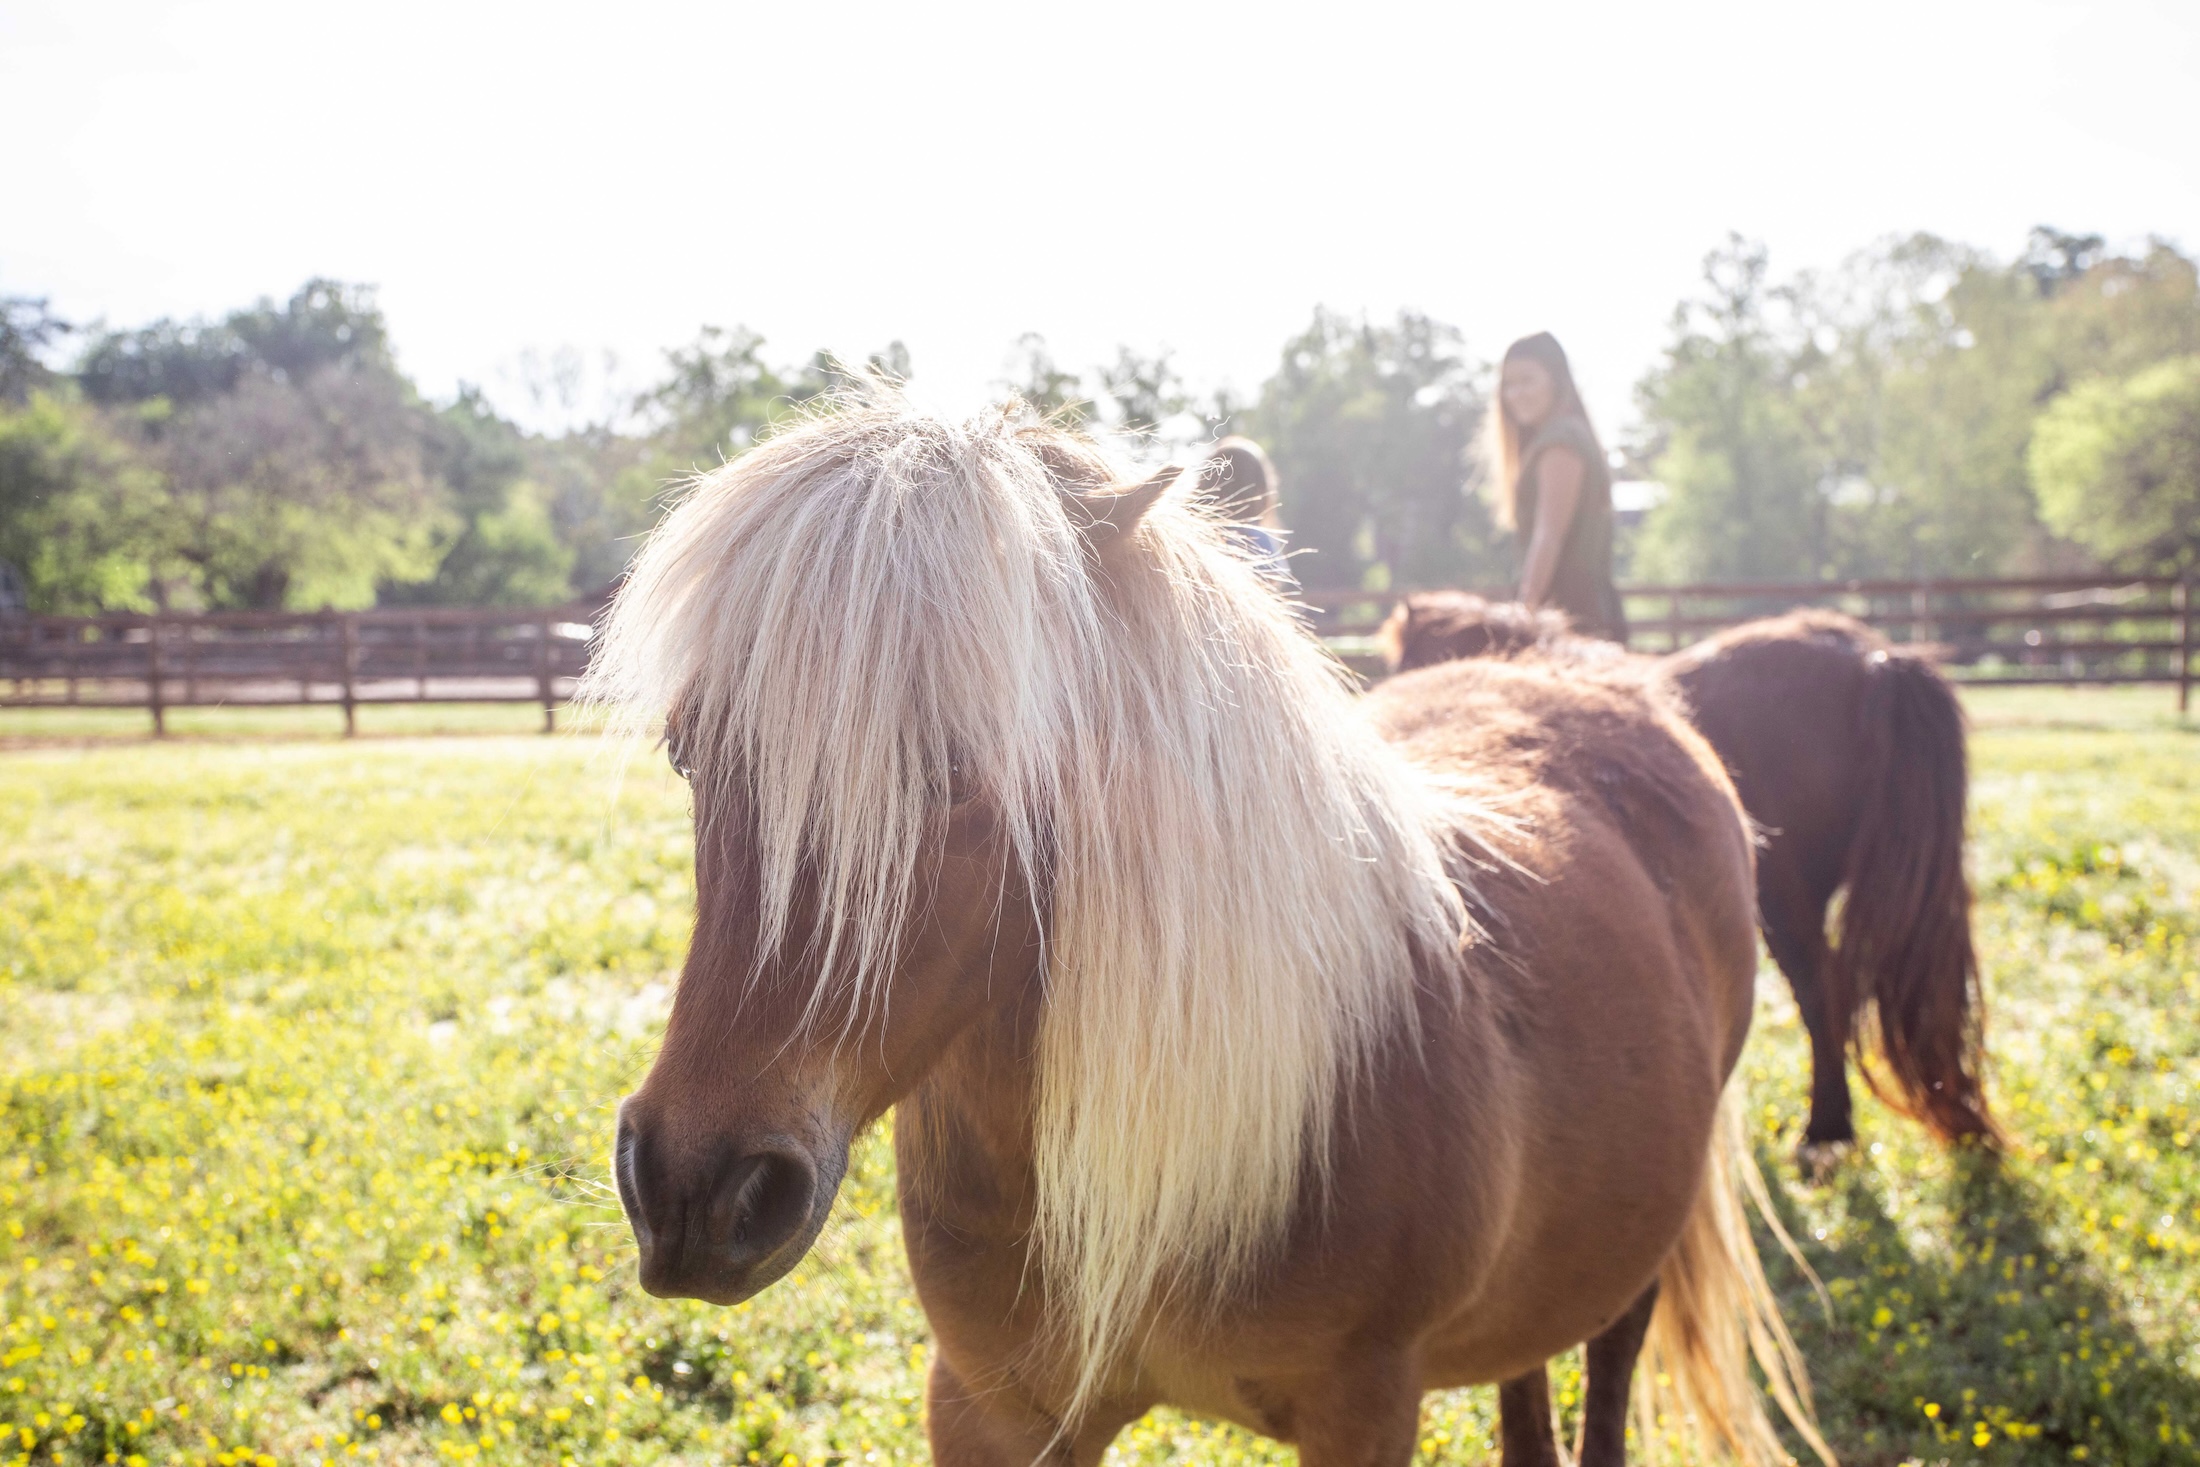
1925	409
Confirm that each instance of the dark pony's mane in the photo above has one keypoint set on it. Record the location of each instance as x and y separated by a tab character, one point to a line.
1429	627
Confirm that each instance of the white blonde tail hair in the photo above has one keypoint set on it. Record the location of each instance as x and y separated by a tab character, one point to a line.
1717	1316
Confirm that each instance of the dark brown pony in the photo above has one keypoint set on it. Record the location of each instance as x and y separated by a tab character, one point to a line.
1848	753
1255	1048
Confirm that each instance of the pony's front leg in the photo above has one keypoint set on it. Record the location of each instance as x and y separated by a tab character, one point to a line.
997	1427
1364	1415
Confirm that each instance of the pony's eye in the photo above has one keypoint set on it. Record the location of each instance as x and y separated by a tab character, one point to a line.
960	786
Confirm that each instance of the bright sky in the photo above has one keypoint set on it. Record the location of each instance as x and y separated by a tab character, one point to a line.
532	177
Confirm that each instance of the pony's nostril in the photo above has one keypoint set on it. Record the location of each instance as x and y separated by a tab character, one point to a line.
729	1201
761	1201
626	1177
716	1221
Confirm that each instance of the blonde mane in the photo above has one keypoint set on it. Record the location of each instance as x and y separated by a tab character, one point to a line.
1240	874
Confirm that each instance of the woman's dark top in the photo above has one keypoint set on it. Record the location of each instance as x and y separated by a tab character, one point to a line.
1581	582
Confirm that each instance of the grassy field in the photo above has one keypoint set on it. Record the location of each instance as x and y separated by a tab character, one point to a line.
46	727
307	1053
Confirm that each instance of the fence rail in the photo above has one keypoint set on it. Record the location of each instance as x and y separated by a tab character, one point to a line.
2039	629
269	659
2057	629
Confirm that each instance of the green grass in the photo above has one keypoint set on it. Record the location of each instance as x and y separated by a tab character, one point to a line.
36	727
308	1048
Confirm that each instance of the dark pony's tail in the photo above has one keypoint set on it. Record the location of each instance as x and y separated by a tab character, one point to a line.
1905	944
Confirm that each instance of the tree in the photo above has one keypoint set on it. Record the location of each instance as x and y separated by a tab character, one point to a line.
1370	428
509	555
2055	259
2116	465
27	328
506	549
324	323
1973	367
603	489
278	458
177	362
82	516
1044	386
302	494
1876	419
1143	392
288	448
717	396
1961	370
1742	483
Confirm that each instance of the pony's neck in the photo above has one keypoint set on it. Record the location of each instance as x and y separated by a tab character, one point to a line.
963	1136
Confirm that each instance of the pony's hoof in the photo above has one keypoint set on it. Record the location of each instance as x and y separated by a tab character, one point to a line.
1819	1160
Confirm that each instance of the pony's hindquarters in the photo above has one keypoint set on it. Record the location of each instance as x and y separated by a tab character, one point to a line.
1905	949
1657	974
1717	1315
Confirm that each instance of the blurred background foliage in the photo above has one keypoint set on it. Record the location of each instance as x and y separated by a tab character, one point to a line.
1880	419
1924	409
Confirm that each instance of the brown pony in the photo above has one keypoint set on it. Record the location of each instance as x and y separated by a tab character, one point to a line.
1848	753
1280	1096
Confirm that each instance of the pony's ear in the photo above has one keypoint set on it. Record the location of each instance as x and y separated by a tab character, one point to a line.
1107	518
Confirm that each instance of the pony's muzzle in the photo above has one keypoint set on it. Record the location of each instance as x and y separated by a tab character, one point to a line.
721	1221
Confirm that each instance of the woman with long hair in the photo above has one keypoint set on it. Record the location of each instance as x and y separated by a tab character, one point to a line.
1554	489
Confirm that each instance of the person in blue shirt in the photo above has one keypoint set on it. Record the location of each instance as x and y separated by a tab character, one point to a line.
1238	480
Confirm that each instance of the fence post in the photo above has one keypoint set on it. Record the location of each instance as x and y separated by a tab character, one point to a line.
542	676
1673	623
2184	641
348	632
154	693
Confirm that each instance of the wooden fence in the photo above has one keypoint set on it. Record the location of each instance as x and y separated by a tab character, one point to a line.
2041	629
266	659
2064	629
